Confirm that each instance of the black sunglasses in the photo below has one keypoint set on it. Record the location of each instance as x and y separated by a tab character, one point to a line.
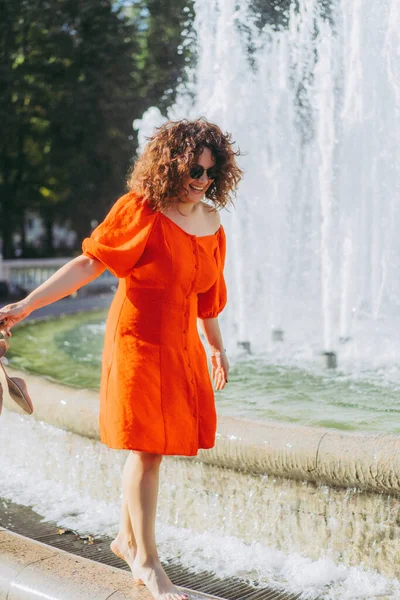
197	171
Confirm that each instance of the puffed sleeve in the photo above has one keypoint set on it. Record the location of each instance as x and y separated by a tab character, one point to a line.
119	241
213	301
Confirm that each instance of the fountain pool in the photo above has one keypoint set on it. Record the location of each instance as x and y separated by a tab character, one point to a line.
266	386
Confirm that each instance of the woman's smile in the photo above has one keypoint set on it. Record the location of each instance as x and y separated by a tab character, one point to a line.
196	188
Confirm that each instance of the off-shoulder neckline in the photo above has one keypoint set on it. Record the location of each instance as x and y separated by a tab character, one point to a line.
198	237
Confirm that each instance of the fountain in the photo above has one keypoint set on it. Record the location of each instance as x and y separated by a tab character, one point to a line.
311	92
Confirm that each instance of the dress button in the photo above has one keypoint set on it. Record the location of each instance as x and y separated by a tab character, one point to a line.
185	331
196	266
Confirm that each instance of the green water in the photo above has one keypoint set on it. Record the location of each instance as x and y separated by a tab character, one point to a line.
68	349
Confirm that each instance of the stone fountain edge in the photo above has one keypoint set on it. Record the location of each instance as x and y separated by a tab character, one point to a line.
324	456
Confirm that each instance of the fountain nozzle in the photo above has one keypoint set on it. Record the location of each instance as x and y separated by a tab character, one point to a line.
244	345
278	335
329	359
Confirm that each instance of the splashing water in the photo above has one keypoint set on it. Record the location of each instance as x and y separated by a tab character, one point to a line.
312	95
237	524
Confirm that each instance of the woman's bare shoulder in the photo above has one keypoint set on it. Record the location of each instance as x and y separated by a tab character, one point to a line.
212	216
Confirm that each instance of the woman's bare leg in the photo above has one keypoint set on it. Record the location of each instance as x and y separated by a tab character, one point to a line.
140	491
124	545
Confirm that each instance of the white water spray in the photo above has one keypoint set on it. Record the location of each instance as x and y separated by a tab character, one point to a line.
315	105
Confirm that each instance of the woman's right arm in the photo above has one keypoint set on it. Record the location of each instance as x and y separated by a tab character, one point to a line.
72	276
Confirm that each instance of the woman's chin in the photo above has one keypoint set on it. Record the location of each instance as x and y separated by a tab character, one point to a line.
193	198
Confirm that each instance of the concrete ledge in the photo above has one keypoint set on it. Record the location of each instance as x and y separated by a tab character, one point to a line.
29	569
366	461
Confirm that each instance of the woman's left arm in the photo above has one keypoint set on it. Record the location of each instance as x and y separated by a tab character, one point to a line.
219	362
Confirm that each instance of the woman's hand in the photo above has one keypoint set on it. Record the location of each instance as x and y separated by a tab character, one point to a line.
14	313
219	371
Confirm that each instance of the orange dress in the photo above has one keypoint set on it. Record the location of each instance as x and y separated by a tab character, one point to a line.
156	394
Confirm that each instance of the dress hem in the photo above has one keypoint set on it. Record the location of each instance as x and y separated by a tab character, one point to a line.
161	453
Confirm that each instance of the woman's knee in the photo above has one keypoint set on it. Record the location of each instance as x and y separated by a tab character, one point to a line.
148	460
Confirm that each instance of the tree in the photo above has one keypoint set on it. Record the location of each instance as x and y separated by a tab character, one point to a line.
67	93
167	48
73	76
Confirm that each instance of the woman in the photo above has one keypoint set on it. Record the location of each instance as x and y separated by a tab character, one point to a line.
167	247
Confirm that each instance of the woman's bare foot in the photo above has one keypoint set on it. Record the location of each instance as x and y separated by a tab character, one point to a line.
156	580
125	550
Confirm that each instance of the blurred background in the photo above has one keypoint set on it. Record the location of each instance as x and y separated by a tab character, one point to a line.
73	77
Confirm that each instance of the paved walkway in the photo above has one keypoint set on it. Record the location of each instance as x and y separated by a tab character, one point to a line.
22	520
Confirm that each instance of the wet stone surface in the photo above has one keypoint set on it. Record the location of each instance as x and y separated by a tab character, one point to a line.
24	521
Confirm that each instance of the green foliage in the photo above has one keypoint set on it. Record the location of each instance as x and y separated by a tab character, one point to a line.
73	77
167	47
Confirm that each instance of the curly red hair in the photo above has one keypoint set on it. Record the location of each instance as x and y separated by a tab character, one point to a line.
159	173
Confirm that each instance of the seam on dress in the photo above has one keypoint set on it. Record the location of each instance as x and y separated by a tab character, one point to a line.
192	387
113	355
166	245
